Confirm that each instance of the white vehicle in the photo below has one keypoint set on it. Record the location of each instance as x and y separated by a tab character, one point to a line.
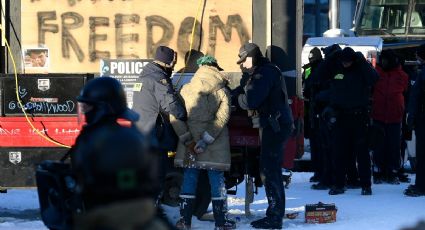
370	47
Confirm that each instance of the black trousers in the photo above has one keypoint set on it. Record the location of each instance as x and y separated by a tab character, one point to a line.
386	156
271	158
420	154
325	154
350	143
315	147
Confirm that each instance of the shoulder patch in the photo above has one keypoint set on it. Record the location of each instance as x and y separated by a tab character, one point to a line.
339	76
163	81
137	87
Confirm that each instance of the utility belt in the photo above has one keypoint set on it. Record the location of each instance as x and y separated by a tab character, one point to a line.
261	121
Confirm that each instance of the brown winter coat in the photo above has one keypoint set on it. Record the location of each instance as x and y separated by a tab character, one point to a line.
207	102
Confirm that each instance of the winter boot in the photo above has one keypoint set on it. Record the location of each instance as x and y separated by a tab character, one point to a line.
392	178
220	211
319	186
268	223
402	177
414	191
186	209
378	178
366	191
336	190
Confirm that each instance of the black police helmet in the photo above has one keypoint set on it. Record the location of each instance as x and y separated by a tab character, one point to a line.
108	98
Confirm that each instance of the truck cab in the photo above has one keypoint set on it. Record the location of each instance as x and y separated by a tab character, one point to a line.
400	23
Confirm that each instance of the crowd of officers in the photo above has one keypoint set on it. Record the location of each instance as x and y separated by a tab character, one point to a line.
358	121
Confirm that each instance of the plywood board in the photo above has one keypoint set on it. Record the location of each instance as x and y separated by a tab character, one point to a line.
78	33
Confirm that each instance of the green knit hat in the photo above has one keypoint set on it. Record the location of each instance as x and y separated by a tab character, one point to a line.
206	60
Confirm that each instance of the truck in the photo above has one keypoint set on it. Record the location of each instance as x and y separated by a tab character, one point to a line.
53	48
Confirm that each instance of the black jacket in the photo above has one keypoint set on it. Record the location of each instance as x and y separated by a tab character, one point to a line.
321	80
112	162
416	106
351	88
266	93
312	87
156	96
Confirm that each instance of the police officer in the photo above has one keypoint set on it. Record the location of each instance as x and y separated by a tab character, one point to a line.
323	77
349	97
416	121
266	99
156	100
319	85
311	89
111	164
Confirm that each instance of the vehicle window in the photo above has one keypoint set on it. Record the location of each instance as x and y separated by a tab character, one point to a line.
417	21
383	17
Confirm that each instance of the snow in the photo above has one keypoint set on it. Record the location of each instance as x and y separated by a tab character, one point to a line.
386	209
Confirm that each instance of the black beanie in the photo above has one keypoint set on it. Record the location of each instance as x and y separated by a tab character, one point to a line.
315	55
421	51
330	50
164	54
348	54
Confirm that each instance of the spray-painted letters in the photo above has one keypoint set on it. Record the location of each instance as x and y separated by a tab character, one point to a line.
82	32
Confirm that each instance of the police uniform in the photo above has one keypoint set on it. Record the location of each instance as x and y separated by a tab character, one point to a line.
265	94
349	97
156	100
416	120
314	85
155	97
319	85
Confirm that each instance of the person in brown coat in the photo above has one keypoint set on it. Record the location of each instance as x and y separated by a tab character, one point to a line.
204	140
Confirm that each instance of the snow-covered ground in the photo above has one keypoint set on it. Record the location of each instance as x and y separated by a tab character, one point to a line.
386	209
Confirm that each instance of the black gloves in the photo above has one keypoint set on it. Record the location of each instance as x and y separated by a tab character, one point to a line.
329	116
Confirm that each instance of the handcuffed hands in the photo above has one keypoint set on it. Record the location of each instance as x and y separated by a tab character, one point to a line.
191	147
200	146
